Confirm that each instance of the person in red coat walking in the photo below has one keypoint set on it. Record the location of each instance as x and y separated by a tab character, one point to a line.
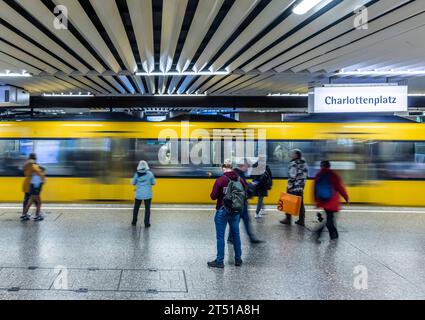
328	188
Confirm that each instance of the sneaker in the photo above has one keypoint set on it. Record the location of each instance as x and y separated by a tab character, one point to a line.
39	218
263	212
286	221
25	217
300	223
238	263
255	241
215	264
147	225
134	224
258	216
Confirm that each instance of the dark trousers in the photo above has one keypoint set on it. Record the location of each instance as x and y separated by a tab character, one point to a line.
26	199
330	224
137	204
302	209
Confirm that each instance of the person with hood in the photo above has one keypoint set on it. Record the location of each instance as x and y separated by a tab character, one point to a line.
328	187
224	216
31	169
297	177
143	179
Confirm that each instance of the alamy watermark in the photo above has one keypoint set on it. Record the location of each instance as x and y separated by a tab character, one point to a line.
361	277
201	146
361	18
61	281
61	20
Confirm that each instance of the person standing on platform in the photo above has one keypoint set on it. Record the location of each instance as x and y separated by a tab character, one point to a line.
241	170
143	179
31	169
262	184
297	177
225	215
328	187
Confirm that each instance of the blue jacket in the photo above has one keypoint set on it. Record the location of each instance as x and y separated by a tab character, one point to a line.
143	182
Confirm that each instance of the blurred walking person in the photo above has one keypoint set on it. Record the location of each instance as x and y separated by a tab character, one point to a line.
143	179
241	170
297	177
262	184
328	187
34	179
230	191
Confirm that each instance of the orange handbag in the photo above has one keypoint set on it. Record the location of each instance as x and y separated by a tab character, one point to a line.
289	204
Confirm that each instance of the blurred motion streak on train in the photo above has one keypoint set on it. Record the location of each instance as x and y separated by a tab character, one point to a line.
382	163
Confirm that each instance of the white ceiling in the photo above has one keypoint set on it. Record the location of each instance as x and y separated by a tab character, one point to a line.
265	47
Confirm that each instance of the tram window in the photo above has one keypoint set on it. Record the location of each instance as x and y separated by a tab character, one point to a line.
400	160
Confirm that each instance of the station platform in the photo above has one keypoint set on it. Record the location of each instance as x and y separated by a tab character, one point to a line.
92	252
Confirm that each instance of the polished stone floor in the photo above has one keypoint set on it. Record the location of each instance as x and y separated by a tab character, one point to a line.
92	252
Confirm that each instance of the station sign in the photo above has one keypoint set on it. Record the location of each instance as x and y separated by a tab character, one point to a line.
349	99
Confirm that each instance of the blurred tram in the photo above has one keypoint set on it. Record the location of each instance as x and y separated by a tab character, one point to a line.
93	161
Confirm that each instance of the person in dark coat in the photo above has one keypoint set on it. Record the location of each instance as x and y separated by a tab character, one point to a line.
262	184
332	204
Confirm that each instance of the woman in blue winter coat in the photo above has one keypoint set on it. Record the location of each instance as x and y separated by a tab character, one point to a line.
143	180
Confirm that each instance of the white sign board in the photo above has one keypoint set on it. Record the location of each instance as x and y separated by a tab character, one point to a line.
359	99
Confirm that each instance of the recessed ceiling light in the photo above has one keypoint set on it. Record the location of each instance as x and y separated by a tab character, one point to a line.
15	74
305	6
381	72
185	73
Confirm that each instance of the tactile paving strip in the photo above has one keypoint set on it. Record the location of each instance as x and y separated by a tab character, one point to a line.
93	279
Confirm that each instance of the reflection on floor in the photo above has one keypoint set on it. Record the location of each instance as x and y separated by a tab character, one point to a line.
92	252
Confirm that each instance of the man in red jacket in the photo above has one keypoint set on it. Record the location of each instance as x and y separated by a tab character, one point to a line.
328	187
224	217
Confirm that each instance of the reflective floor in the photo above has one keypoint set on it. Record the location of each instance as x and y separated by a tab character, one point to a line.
92	252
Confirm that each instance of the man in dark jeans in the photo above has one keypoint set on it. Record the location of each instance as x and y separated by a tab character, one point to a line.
241	170
297	177
223	217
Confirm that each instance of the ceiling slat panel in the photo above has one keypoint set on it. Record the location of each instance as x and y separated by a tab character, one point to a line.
12	51
15	19
205	14
19	64
108	13
286	61
12	37
81	21
39	11
172	19
270	13
385	24
141	18
339	11
239	11
277	32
